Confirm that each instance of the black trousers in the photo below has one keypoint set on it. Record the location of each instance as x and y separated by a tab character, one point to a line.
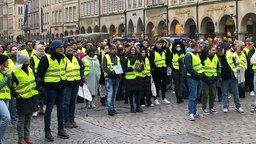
160	77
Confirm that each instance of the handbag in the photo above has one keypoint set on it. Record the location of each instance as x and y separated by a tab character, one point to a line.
153	87
84	92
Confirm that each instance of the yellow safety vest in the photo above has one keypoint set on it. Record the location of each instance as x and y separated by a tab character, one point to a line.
86	66
5	93
230	61
36	62
210	66
146	71
27	83
82	50
56	71
160	60
110	64
73	69
175	60
11	64
241	60
196	63
25	52
131	74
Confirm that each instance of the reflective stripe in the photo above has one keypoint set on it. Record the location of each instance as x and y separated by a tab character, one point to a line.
4	91
110	65
25	85
160	59
196	63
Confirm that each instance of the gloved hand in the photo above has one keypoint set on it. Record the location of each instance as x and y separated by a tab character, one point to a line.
9	76
81	84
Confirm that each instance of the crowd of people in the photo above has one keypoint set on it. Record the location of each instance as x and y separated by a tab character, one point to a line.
32	76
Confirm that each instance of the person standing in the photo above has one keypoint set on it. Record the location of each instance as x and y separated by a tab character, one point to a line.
111	78
29	51
159	60
74	79
211	69
5	95
229	77
194	75
24	89
51	70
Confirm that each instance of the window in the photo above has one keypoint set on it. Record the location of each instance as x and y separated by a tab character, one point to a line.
182	1
161	1
115	5
60	16
104	6
149	2
70	14
140	3
109	6
10	10
129	4
66	14
96	7
53	1
92	8
174	2
155	2
85	9
120	5
134	3
74	13
20	10
53	18
57	17
89	8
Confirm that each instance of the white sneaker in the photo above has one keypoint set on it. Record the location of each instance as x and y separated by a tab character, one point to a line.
240	110
93	105
173	92
225	110
213	111
166	101
252	93
151	105
191	117
35	114
206	112
157	102
197	115
142	105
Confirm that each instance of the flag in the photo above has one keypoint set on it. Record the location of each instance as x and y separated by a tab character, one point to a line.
41	20
25	15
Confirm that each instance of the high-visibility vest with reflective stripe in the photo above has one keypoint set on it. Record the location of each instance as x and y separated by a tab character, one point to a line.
27	83
56	71
5	93
210	66
36	62
25	52
131	74
86	66
175	60
229	58
11	64
146	71
110	65
73	69
98	50
241	60
196	63
82	50
160	60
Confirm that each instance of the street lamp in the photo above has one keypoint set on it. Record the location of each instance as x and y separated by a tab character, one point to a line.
232	15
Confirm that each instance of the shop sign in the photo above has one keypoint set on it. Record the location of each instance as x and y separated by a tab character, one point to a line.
155	15
180	12
216	8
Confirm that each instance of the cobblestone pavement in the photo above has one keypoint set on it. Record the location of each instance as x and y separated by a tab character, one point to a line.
160	124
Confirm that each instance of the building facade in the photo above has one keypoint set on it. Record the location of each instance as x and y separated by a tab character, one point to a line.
50	19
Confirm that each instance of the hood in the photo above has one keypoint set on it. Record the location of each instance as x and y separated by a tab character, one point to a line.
181	45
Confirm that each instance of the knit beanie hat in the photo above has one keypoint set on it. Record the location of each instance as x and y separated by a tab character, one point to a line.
55	44
21	58
3	58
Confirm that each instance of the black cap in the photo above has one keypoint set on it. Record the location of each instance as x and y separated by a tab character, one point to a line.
223	45
67	45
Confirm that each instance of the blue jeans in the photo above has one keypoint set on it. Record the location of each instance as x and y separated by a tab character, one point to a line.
230	85
194	94
12	108
111	88
4	119
70	94
53	95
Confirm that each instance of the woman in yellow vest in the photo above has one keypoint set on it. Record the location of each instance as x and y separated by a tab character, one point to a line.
178	74
24	89
144	78
131	66
5	95
34	61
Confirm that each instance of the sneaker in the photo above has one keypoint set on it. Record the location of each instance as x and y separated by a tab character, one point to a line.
173	92
68	125
41	111
49	136
151	105
111	113
88	105
197	115
225	110
142	105
206	112
252	93
63	134
213	111
35	114
240	110
139	110
191	117
166	101
253	109
92	105
74	125
157	102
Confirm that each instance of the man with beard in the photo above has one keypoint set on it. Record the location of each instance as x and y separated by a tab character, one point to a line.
29	51
51	70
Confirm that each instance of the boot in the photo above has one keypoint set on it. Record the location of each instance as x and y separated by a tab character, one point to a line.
28	140
22	141
49	136
41	110
63	134
103	101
